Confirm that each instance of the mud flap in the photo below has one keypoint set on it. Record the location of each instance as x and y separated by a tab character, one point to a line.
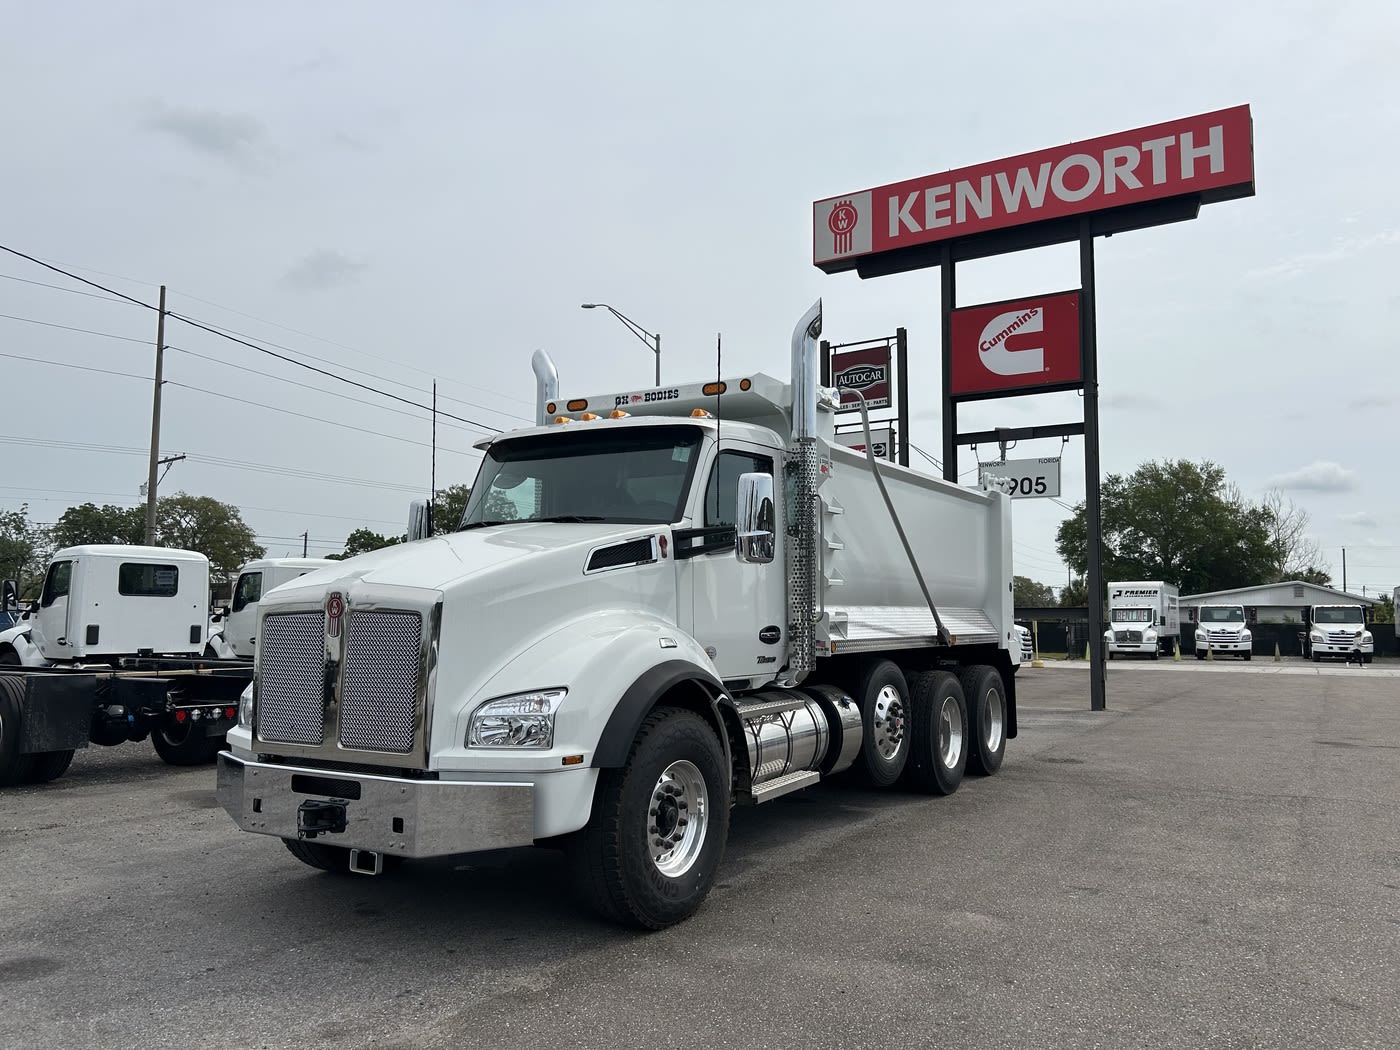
55	712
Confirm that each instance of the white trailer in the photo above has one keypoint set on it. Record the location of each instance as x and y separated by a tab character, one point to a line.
1144	618
234	634
660	603
111	652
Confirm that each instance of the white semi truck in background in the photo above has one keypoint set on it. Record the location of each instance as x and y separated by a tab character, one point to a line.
1144	618
234	633
112	651
1338	632
1221	631
660	603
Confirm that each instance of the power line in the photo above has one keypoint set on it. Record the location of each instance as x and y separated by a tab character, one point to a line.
61	288
70	328
84	280
122	496
81	368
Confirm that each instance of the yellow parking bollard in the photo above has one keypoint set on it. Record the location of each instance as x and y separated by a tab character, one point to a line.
1277	656
1086	650
1176	651
1210	653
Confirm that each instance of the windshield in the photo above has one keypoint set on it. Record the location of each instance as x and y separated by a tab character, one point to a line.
1132	615
1338	614
635	475
1224	614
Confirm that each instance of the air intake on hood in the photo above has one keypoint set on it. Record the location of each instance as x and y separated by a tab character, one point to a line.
634	552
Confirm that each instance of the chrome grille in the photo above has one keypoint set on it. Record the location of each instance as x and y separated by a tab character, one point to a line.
291	678
1343	637
1127	636
379	691
1223	635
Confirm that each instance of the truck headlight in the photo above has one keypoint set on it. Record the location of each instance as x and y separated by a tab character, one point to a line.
1318	636
1149	636
1366	637
245	708
524	720
1245	635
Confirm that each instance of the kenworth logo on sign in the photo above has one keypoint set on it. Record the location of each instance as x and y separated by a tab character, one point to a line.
866	370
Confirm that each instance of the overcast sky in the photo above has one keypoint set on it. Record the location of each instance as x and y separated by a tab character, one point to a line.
398	194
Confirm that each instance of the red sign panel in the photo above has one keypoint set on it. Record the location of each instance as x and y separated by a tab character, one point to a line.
1211	155
866	370
1018	346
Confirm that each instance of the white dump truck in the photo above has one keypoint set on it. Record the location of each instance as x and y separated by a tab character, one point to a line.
112	651
234	633
659	604
1144	618
1221	630
1338	632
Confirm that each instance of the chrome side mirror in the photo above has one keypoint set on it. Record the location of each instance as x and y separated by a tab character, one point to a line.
755	519
418	524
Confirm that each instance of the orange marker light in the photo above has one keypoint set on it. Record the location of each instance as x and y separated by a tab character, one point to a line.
551	408
711	389
578	404
744	384
563	419
588	417
700	413
617	413
573	760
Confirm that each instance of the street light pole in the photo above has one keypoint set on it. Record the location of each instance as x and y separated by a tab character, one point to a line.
652	341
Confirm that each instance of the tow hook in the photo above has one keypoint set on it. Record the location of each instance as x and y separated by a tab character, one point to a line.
316	818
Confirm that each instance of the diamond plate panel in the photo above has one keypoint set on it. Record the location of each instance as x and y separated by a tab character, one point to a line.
291	706
379	692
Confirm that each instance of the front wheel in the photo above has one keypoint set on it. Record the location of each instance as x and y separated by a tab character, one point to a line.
185	743
651	851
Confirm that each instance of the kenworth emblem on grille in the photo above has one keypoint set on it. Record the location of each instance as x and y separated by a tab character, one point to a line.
335	608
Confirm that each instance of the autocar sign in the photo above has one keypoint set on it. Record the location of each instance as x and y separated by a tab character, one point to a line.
866	370
1025	478
1209	156
1019	345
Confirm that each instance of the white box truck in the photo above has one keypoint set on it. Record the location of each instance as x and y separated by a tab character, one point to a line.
659	604
112	651
1144	618
1221	630
1338	632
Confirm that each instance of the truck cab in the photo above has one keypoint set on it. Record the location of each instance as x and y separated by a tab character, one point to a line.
1339	632
101	601
235	635
1222	630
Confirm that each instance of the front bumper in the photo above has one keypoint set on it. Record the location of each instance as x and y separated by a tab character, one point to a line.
1224	647
406	818
1343	648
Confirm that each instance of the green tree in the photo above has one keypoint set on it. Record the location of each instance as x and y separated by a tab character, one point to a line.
1028	592
448	507
216	530
363	540
1311	574
1385	610
1075	595
90	523
24	549
1177	521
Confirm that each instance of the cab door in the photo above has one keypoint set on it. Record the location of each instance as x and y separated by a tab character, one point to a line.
738	610
241	624
50	626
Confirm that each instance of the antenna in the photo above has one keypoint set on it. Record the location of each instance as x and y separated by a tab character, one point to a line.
719	417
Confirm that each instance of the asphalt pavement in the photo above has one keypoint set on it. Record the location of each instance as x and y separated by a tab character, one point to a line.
1211	862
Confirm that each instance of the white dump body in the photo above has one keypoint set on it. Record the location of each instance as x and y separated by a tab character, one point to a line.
114	599
961	540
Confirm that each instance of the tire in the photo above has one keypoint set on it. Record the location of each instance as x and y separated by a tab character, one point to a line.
184	743
1367	657
1248	656
8	657
1156	654
985	699
1110	654
653	846
1316	657
883	697
939	739
1200	655
48	765
14	767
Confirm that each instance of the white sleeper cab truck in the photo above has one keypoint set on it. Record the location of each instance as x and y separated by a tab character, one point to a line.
1339	632
234	635
659	604
1221	631
1144	618
113	651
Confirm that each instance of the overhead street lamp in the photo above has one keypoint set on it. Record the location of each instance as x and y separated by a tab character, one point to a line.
653	341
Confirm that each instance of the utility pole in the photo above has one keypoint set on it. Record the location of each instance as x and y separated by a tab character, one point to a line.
304	536
1344	568
155	424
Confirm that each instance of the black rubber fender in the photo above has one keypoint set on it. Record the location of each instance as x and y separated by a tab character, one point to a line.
641	696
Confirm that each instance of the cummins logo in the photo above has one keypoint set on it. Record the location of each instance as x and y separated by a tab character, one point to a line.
995	355
861	376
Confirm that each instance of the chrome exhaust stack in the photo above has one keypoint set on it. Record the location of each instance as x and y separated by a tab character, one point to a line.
546	385
802	553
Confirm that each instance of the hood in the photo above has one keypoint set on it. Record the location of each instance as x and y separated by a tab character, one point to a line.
441	561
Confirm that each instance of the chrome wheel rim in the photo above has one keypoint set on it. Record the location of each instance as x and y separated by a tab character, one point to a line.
950	733
993	719
887	726
678	818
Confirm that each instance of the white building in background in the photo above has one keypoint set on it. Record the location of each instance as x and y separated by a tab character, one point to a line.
1273	602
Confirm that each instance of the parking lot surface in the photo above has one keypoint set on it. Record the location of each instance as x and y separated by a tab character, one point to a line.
1214	861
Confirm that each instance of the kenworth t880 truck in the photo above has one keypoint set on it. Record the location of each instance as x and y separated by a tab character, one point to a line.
659	604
